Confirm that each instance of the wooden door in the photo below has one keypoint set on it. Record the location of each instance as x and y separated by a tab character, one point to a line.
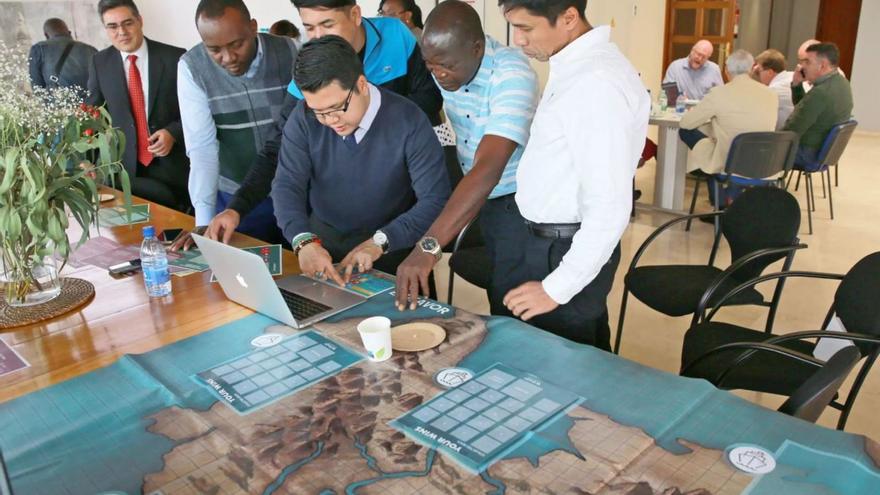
839	23
688	21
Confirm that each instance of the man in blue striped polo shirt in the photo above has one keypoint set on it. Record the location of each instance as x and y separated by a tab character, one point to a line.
490	93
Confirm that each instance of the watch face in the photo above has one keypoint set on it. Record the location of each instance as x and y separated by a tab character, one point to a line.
428	244
379	238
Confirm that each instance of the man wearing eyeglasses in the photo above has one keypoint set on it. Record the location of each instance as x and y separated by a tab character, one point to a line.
695	74
137	80
391	59
361	175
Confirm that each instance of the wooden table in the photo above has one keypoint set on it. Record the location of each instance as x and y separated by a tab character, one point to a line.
671	163
121	319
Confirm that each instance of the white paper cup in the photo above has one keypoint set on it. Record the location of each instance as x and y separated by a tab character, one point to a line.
376	335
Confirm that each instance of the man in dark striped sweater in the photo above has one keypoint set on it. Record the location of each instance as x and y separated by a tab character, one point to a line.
361	175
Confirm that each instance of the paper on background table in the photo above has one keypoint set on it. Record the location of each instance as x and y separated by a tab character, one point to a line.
115	216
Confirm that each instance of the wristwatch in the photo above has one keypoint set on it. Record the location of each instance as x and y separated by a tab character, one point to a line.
432	246
381	240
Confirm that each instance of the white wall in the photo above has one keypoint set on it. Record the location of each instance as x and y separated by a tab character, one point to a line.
866	68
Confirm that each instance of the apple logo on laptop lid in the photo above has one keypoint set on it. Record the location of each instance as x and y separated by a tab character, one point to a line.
241	280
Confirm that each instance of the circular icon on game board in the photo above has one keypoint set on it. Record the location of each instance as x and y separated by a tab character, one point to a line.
752	459
452	377
267	340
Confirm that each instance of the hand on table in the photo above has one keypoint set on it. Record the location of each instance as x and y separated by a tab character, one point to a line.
161	143
529	300
185	241
315	261
412	275
362	257
223	224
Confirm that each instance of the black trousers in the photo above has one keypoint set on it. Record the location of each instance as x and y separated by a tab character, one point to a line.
161	184
339	244
584	319
504	230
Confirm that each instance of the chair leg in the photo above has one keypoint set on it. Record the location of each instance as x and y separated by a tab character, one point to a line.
836	181
620	320
854	392
687	226
450	286
824	194
809	203
797	183
830	202
717	206
812	190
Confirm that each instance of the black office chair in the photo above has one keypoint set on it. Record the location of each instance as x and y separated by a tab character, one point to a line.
470	259
743	358
755	159
829	155
760	227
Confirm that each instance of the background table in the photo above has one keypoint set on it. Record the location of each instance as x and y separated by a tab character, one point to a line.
671	162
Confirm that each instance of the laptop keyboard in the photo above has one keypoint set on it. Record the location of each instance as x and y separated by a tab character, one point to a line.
302	307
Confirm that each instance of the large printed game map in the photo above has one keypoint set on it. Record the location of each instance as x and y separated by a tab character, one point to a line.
539	415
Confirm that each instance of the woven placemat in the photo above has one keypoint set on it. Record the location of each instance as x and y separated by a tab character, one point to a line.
75	292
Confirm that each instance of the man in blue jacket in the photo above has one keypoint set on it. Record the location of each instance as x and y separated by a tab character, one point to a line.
391	59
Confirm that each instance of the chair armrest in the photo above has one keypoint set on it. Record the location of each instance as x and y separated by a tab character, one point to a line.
750	348
824	334
730	270
664	228
766	278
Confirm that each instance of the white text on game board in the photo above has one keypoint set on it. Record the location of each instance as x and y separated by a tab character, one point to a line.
429	304
442	441
223	393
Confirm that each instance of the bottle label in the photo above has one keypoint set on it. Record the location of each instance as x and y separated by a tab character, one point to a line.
155	276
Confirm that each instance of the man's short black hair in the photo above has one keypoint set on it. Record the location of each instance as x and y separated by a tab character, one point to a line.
828	51
323	4
549	9
284	28
105	5
214	9
324	60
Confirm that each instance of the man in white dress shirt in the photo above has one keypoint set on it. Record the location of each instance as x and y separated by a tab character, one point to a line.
770	71
574	182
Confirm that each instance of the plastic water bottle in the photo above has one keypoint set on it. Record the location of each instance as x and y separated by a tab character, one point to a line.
661	100
154	264
680	104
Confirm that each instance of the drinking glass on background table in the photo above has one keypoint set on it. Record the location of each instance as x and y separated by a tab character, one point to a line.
376	335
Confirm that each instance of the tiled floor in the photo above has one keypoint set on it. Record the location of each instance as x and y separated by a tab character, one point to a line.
654	339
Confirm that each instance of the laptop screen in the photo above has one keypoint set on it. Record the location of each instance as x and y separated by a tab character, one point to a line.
671	90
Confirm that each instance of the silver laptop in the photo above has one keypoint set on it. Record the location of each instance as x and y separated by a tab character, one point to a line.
295	300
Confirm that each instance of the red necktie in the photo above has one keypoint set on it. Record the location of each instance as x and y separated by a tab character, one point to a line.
139	111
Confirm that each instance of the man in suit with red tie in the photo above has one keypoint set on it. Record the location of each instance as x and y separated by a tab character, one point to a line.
137	80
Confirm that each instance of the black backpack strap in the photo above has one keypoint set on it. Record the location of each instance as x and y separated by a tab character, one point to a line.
55	77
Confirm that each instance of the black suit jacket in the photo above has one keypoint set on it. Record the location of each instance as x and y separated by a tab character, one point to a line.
107	85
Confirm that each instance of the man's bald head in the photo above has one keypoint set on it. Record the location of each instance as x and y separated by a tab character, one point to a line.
453	44
802	50
452	25
55	27
700	53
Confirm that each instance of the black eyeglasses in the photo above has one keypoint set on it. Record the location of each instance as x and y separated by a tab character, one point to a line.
335	113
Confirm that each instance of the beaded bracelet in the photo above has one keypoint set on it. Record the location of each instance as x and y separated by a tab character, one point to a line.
305	243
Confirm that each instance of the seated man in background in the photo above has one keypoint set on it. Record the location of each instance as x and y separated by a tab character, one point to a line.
742	105
770	70
232	89
391	59
829	103
695	74
799	78
479	76
136	78
289	29
59	60
361	174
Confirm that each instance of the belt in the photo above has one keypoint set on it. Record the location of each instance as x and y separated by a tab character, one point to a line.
553	230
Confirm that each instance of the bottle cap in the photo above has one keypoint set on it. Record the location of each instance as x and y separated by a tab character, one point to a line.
149	231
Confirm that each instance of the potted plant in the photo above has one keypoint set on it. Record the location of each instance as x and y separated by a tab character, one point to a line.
54	153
